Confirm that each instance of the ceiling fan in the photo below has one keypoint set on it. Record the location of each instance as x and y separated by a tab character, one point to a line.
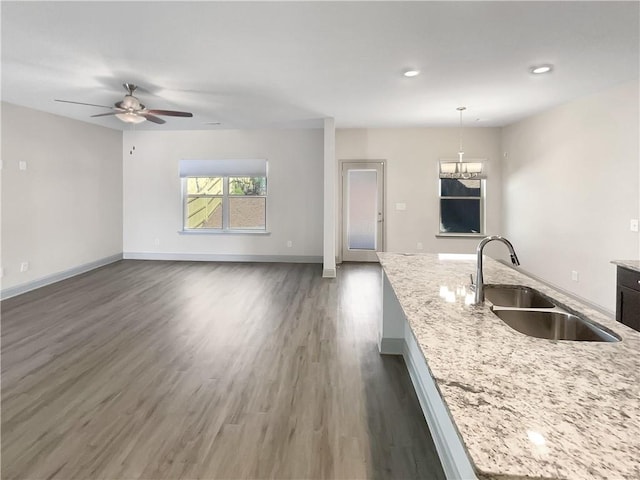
130	110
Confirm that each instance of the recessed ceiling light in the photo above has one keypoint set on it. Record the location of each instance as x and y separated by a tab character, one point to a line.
411	73
537	69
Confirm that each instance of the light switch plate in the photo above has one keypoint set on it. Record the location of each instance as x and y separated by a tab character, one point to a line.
633	225
22	165
401	206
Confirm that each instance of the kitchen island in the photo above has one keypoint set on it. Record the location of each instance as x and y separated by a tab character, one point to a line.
501	404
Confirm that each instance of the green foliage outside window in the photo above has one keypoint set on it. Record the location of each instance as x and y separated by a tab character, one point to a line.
247	186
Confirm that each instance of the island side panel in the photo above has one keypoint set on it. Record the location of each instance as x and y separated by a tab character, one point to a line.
453	455
391	334
397	338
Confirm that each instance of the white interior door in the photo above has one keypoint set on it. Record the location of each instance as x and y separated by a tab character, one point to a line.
362	211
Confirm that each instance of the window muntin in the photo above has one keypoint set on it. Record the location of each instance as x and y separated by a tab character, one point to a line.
461	206
217	203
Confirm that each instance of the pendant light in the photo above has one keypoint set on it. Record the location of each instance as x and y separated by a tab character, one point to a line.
460	169
460	150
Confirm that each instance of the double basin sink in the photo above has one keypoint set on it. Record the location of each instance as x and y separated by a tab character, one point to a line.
533	313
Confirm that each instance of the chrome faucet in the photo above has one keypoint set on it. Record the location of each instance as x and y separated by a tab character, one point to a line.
479	285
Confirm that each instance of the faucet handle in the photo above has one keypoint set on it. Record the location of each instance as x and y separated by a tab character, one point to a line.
473	285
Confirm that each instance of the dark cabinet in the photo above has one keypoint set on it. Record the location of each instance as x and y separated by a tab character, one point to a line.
628	298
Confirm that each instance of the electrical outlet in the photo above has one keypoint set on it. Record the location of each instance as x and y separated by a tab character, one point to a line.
24	266
419	246
1	272
156	242
633	225
401	206
574	276
289	244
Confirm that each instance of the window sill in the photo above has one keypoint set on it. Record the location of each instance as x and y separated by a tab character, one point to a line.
460	235
223	232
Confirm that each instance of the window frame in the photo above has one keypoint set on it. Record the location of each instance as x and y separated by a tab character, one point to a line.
481	199
226	195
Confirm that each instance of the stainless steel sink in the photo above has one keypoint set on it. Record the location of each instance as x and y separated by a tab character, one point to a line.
555	325
517	296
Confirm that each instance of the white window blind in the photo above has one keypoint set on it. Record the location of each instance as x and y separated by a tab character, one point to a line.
223	168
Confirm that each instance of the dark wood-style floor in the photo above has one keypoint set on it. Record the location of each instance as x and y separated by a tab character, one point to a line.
167	370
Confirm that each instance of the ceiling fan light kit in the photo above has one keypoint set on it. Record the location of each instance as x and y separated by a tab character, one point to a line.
130	117
130	110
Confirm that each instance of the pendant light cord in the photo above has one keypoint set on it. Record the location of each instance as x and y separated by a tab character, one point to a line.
461	151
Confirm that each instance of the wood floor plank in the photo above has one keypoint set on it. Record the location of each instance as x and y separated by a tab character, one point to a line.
181	370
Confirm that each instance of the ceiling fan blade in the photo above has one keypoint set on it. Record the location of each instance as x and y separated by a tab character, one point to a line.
80	103
105	114
151	118
170	113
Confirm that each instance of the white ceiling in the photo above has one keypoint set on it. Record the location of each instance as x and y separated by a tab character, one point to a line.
255	64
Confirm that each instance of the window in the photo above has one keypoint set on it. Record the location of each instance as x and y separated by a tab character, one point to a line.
461	203
224	195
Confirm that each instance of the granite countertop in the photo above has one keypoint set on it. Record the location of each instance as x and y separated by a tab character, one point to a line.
524	406
629	264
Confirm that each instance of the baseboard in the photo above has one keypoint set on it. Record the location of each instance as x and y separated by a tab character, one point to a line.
56	277
215	257
329	273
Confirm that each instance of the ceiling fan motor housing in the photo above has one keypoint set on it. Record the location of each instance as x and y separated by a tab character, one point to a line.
130	103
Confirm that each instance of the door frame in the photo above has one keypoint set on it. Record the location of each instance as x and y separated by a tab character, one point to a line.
340	205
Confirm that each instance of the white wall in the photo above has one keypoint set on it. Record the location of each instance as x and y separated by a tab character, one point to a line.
570	188
153	204
65	209
412	156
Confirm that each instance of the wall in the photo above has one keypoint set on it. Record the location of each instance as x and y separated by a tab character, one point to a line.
153	204
64	212
412	156
570	188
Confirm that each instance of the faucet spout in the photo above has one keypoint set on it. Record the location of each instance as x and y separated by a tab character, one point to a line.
479	293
